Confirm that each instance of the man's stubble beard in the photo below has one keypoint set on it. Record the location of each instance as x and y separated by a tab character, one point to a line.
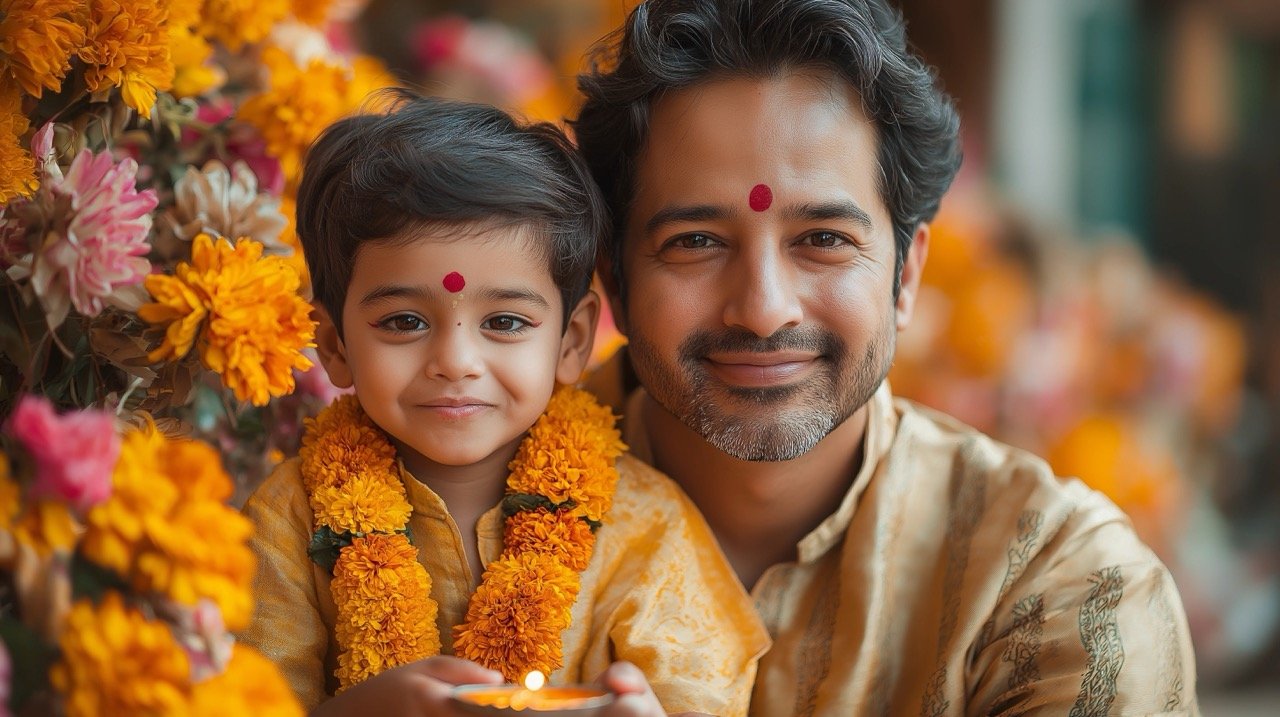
764	424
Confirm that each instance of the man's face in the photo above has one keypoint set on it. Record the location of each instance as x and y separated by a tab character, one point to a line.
759	262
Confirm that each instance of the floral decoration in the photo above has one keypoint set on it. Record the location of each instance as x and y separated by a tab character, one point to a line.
561	485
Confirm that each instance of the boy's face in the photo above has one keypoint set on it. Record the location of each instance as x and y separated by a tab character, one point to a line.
759	260
452	339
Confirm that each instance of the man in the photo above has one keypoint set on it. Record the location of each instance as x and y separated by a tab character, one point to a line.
772	166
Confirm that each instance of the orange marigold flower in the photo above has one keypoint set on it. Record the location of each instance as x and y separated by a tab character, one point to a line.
365	503
116	662
560	534
257	324
17	166
386	616
312	12
339	442
10	496
569	454
516	616
238	22
250	685
37	40
127	46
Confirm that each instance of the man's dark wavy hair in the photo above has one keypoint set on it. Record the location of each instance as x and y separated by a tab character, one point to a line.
670	44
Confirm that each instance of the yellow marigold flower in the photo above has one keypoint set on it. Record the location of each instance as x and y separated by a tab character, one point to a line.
127	46
560	534
116	662
165	528
386	616
193	74
570	453
10	496
301	101
289	238
368	502
516	616
17	166
37	40
339	441
237	22
242	309
250	685
46	526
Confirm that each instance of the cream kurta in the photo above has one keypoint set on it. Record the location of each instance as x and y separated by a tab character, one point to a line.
657	592
960	577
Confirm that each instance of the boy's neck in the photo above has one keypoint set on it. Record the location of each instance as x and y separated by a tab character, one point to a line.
758	510
468	492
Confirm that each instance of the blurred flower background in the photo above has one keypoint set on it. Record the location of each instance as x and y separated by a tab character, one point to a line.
1101	287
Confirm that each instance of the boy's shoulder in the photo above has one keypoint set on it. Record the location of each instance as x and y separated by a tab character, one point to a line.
281	493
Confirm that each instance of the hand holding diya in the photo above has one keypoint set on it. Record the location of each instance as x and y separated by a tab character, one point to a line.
533	696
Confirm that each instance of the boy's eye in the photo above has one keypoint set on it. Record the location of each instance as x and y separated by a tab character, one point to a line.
505	323
404	323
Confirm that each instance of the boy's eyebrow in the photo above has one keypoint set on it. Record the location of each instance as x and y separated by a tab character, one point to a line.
400	291
530	296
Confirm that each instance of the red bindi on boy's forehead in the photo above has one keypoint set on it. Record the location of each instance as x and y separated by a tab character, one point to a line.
761	197
453	282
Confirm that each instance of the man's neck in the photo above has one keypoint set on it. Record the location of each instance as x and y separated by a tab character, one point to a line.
758	510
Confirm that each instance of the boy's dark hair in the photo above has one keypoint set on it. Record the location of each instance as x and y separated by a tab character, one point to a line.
670	44
428	162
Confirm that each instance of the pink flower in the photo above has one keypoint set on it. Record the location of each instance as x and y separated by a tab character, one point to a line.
74	454
242	142
94	242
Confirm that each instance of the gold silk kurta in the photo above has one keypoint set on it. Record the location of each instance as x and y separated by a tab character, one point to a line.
657	592
960	577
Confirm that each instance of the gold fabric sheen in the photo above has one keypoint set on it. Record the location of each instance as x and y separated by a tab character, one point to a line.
959	576
657	592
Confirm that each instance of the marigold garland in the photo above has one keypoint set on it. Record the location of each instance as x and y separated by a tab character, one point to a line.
561	484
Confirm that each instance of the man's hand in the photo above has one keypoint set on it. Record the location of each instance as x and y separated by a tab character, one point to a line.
418	688
634	696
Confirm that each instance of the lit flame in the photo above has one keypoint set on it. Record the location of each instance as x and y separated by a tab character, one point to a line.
534	680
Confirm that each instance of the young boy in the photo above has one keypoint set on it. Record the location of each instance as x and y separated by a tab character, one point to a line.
450	252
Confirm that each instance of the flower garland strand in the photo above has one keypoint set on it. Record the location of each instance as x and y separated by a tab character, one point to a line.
561	486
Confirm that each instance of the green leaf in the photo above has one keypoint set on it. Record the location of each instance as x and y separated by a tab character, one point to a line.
514	503
92	581
326	545
30	656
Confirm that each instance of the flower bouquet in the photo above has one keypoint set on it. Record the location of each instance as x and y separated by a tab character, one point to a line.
151	292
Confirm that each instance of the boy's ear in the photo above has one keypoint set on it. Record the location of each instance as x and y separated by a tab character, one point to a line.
612	292
912	270
333	353
578	339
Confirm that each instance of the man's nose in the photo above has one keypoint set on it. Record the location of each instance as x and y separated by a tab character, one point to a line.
455	354
764	295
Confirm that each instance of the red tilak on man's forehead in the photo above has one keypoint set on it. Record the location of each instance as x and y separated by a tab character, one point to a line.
453	282
761	197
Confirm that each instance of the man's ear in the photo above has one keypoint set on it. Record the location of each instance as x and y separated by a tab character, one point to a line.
912	269
612	292
578	338
333	353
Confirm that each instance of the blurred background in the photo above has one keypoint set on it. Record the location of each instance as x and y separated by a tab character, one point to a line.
1103	286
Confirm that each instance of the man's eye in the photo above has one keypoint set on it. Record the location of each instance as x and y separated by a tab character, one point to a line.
505	324
404	323
826	240
693	241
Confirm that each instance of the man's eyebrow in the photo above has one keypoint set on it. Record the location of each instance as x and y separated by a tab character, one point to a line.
383	292
694	213
824	211
513	294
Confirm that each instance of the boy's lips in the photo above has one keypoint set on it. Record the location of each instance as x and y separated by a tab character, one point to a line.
760	370
456	407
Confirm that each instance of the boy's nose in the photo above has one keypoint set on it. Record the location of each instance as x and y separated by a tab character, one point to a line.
455	355
763	296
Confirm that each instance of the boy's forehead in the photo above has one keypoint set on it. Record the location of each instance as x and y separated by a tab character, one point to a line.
455	256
